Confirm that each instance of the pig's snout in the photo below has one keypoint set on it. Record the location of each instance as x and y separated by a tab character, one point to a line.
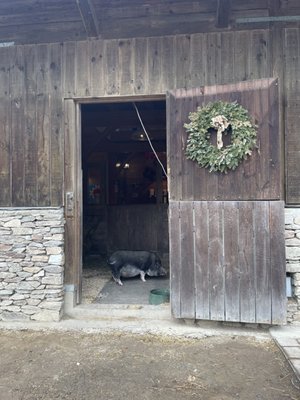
159	271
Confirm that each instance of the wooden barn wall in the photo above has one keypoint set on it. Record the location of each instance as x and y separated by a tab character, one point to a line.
34	80
292	114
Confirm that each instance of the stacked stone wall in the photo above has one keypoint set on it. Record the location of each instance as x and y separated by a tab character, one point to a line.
31	264
292	241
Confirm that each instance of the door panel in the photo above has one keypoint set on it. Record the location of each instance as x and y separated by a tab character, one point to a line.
258	177
227	250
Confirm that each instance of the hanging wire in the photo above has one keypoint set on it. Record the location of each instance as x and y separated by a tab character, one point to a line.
149	140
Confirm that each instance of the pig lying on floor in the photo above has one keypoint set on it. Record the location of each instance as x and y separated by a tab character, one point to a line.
128	264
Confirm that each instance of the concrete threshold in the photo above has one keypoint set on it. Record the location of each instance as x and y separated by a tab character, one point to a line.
119	312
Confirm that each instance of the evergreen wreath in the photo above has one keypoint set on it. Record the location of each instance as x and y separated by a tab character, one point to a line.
224	117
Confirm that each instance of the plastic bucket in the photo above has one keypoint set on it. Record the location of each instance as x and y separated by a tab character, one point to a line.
159	296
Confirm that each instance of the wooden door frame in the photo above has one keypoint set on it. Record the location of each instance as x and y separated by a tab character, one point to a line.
73	198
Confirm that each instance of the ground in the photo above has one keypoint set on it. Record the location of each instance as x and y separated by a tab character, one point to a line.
57	365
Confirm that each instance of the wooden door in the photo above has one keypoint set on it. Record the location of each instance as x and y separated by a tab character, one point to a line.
227	251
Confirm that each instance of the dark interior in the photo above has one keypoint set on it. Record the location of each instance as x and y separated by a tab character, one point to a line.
125	197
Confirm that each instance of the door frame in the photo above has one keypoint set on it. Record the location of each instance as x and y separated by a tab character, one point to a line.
73	195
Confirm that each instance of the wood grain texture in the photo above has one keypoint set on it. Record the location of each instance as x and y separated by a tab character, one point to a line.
292	115
228	261
257	177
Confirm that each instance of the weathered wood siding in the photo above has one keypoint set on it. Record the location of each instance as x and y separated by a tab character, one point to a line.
227	261
34	79
292	113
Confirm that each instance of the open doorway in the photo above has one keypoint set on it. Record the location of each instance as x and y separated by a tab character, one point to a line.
125	198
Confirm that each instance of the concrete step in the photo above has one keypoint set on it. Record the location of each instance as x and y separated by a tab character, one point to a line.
119	311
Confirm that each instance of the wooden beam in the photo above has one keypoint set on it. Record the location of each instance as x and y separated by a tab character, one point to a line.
122	118
223	13
89	18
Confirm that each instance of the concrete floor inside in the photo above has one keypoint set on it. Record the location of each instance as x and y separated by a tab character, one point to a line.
99	288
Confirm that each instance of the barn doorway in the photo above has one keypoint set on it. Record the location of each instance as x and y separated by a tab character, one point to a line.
125	197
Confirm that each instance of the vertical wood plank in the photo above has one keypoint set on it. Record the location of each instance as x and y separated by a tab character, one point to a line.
278	95
241	59
43	145
183	52
198	178
126	66
56	125
140	65
275	151
111	67
198	60
216	260
5	128
174	146
187	173
213	58
251	168
261	107
96	54
202	297
278	262
154	65
168	63
231	261
71	261
82	69
227	58
17	126
30	142
175	257
43	124
262	262
260	54
30	147
69	76
187	278
247	262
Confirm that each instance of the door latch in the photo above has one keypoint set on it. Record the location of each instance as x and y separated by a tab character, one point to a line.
70	204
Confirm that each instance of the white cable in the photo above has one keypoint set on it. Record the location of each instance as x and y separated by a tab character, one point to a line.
149	140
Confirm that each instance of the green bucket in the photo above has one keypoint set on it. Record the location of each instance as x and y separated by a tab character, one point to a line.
159	296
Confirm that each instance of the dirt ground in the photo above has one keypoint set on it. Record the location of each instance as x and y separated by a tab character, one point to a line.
89	366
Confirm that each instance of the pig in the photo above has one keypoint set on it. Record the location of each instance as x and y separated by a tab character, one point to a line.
127	264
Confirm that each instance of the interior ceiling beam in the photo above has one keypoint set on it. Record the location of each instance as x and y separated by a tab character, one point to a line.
223	13
122	118
89	18
124	129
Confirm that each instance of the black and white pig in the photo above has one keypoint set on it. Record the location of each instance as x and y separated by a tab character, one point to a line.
127	264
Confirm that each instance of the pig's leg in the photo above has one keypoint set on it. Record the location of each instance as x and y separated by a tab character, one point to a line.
115	271
142	274
117	280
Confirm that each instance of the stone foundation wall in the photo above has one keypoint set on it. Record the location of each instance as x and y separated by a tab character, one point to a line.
31	264
292	241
